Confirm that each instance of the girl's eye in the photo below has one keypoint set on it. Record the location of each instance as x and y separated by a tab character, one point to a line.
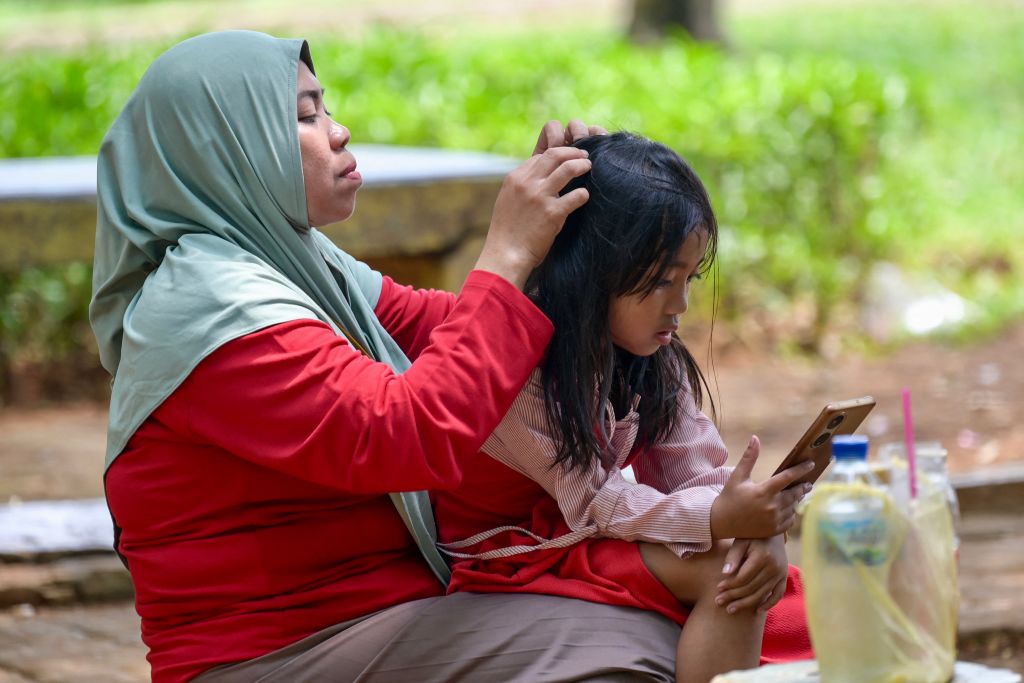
662	284
695	276
308	119
328	113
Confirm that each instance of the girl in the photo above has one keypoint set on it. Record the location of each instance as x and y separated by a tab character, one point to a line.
550	511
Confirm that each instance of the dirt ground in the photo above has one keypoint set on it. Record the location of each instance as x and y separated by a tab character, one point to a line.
970	398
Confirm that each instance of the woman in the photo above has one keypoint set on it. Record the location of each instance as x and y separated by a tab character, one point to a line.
269	391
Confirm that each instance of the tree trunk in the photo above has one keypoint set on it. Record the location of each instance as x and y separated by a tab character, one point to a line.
654	19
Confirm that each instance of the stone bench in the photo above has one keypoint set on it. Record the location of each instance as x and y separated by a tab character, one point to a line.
421	216
807	672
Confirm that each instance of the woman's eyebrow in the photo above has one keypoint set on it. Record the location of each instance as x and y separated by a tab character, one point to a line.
315	95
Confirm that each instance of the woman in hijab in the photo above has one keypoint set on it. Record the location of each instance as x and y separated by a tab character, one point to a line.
278	408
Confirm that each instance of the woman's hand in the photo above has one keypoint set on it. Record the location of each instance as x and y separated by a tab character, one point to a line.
553	134
529	212
755	573
746	509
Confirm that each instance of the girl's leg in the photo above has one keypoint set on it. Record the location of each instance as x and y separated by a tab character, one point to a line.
713	641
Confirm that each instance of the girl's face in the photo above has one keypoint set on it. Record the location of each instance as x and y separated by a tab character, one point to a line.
328	168
642	324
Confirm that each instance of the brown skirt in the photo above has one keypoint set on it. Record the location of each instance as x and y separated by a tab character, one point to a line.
475	637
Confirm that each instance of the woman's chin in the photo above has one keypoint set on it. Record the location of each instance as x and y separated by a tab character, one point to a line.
342	214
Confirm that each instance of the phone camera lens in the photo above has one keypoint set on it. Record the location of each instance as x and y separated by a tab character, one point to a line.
836	421
821	440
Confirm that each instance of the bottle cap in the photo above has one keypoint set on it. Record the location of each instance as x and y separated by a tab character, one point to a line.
850	446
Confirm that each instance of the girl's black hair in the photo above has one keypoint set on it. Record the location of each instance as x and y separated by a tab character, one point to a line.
645	200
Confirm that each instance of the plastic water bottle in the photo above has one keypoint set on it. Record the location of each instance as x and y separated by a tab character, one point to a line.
854	548
853	526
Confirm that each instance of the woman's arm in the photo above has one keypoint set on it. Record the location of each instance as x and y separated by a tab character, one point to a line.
601	498
313	407
409	315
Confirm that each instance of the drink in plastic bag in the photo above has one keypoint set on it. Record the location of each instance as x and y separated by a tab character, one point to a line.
924	581
852	545
932	473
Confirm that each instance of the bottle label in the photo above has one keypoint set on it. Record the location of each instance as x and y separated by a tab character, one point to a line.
851	538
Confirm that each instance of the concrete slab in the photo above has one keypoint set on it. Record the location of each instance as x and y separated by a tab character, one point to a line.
58	178
97	644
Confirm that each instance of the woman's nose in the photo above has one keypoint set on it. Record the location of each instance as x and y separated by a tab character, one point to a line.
339	136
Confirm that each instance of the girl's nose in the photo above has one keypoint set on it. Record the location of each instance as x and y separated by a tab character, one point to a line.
338	135
682	303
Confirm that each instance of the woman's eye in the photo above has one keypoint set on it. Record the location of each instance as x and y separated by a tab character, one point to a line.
308	119
328	113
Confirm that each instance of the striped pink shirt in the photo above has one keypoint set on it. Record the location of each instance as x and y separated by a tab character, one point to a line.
677	479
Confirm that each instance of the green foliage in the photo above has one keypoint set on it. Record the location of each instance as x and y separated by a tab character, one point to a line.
829	140
44	331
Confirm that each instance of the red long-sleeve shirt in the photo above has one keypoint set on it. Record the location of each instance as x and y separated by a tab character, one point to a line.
251	501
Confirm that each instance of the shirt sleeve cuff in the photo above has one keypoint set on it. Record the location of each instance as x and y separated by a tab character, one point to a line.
486	282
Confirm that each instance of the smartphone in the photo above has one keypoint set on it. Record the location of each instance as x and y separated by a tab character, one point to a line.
816	444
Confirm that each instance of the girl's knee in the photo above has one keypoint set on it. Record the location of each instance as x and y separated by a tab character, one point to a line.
689	578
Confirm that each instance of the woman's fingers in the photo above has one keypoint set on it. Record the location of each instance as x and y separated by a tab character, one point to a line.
577	130
543	165
551	135
564	172
573	200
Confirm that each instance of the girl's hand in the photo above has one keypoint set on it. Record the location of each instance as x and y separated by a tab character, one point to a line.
554	135
529	213
746	509
755	573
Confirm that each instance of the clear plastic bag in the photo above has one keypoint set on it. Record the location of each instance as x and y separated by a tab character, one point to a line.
882	608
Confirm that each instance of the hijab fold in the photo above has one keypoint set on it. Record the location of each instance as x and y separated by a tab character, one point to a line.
202	233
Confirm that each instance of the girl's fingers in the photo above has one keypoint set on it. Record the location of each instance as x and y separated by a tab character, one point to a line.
778	590
757	596
597	130
794	495
734	557
753	565
729	597
789	476
749	603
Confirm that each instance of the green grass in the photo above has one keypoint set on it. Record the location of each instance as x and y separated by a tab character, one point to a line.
966	162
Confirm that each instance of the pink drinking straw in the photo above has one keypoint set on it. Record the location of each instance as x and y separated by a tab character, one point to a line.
908	438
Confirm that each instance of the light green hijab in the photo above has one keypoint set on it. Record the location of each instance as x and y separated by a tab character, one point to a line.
202	234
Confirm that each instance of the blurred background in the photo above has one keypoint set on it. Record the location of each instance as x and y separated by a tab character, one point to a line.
866	161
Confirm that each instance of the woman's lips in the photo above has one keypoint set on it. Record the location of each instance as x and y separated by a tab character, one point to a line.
351	173
664	337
